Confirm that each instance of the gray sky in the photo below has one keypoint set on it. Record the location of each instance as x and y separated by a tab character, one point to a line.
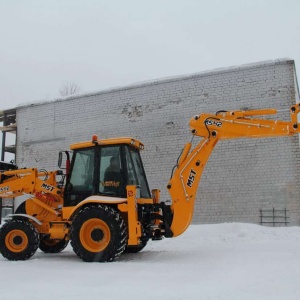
101	44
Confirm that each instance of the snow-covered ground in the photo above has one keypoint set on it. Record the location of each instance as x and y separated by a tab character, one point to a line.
224	261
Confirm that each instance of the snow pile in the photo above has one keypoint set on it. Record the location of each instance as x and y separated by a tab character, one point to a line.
224	261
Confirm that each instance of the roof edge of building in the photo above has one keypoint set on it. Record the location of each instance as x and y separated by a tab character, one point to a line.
164	80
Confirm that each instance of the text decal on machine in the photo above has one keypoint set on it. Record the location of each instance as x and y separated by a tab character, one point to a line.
4	189
213	122
47	187
191	178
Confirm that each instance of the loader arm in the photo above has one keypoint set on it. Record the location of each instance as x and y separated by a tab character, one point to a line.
184	183
29	181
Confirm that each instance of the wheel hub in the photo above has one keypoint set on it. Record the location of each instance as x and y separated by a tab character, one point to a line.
97	235
94	235
17	240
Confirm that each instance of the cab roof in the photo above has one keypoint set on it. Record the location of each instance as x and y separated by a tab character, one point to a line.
105	142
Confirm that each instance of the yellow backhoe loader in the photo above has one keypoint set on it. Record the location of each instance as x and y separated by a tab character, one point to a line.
102	204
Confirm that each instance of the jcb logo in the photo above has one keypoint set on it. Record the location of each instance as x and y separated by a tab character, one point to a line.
191	178
4	189
47	187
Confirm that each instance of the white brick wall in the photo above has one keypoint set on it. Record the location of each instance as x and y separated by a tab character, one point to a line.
241	176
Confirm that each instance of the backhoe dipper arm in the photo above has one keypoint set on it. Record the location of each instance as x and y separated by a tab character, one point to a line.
213	127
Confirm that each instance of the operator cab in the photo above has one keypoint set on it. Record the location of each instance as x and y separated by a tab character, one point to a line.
105	168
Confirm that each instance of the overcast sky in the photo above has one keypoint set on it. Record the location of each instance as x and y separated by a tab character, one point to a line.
101	44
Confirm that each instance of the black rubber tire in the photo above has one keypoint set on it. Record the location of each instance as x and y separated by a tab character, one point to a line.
113	222
53	246
135	249
28	230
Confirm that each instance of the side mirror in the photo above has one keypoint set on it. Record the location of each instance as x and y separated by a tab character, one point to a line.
59	159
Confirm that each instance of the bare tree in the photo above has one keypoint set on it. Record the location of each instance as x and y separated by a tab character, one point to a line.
69	88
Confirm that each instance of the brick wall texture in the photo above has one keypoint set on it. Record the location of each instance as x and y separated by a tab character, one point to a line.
241	177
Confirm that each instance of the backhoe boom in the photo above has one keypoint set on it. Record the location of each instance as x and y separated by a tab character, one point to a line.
214	127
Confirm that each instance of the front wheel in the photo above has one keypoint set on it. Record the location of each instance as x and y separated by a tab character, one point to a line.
98	234
19	240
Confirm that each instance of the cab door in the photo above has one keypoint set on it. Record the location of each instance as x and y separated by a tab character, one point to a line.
80	184
112	177
135	171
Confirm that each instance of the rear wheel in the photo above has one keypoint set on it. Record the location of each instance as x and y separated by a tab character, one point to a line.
19	240
53	246
98	234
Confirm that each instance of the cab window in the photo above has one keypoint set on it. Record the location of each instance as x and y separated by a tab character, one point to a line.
80	185
136	174
83	169
111	172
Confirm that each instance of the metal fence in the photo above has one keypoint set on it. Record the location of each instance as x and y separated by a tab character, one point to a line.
274	217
